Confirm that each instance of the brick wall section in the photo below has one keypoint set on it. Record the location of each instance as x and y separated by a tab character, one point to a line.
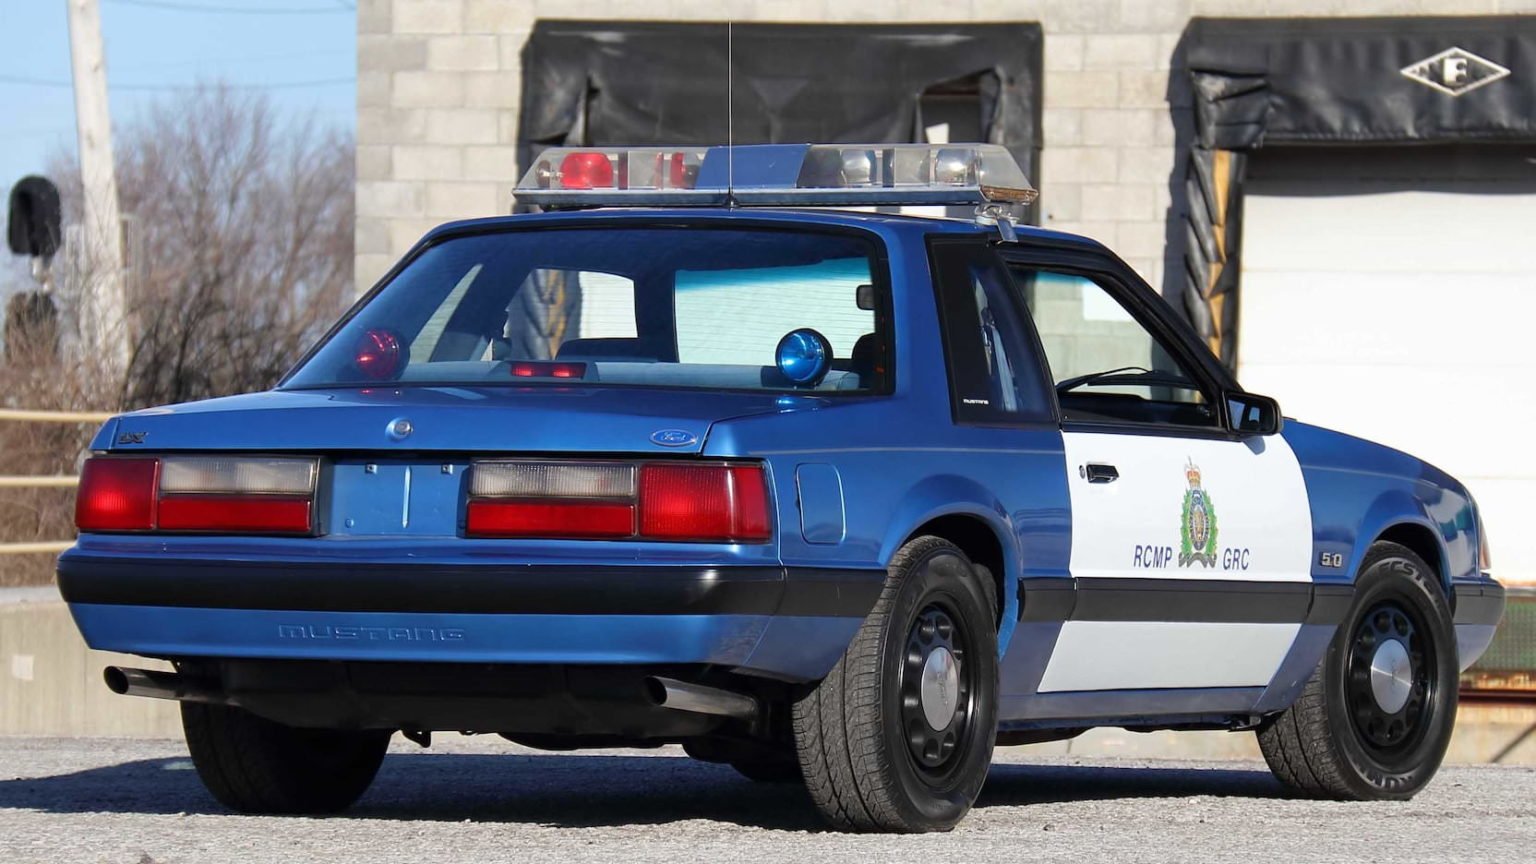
439	83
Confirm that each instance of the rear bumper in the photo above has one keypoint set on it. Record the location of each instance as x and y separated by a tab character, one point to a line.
1477	608
788	623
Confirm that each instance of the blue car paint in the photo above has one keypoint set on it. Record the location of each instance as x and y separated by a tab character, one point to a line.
1359	489
898	461
772	645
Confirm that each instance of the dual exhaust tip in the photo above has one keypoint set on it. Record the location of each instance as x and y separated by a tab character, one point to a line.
661	692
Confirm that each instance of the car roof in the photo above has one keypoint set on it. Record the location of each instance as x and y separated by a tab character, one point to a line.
890	222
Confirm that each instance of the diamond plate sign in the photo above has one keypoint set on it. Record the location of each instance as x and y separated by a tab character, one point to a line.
1455	71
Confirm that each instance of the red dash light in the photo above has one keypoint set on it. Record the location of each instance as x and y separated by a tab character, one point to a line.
703	502
586	171
378	355
117	495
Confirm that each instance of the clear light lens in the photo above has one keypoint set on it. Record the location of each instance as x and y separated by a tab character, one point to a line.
231	475
777	174
988	168
516	479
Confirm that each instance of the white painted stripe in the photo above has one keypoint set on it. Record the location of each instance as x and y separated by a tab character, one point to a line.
1136	655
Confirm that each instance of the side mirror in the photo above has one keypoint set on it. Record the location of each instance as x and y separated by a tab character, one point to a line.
1252	414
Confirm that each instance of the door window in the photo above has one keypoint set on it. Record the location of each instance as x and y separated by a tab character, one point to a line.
1107	365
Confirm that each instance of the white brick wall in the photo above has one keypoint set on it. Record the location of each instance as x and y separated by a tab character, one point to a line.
439	82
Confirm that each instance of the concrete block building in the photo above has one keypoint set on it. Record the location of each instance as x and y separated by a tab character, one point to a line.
1337	192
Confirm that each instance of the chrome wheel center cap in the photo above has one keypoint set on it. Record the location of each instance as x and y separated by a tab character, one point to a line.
941	688
1391	676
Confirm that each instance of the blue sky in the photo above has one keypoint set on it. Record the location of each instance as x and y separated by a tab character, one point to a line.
303	52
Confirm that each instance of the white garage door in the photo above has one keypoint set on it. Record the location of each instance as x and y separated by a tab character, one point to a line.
1403	310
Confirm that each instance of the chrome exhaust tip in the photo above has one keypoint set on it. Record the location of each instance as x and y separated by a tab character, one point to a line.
161	685
699	699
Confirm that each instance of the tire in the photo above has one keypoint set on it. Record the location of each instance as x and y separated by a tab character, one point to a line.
852	730
1338	740
254	765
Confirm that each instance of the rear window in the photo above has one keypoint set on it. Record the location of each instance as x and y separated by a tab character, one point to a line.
665	306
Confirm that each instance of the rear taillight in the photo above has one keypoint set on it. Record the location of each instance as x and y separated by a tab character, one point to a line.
117	495
709	502
222	494
703	502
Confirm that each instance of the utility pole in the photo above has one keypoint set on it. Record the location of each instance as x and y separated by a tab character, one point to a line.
103	318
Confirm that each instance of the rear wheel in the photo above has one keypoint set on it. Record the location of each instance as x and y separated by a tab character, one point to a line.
1375	718
254	765
898	737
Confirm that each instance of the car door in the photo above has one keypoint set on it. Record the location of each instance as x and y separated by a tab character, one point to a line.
1190	545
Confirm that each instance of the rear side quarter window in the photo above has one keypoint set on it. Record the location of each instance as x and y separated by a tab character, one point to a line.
994	376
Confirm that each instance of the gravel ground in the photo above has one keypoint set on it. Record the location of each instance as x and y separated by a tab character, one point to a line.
477	799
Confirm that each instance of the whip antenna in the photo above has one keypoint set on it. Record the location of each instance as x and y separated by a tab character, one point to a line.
730	114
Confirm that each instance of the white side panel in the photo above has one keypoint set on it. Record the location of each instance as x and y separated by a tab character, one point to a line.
1139	655
1252	491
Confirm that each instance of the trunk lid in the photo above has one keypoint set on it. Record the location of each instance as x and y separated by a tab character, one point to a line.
443	419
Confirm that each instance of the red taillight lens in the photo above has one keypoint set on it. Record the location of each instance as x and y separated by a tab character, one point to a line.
703	502
568	519
243	514
586	171
221	494
117	495
716	502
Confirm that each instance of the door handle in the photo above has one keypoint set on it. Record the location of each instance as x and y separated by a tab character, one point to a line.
1100	473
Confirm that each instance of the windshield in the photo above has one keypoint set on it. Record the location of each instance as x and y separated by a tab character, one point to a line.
657	306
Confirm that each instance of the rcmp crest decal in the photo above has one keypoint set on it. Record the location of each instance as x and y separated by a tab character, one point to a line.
1197	523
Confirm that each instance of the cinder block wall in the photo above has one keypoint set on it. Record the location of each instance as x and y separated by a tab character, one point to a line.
439	83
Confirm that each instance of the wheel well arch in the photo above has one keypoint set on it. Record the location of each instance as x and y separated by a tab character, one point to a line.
978	541
1419	539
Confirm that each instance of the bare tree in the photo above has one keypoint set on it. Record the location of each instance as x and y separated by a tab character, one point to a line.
239	229
242	234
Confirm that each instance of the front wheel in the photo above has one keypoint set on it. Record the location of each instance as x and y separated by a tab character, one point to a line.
254	765
1375	718
899	735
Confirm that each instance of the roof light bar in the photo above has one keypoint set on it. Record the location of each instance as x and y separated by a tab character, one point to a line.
776	174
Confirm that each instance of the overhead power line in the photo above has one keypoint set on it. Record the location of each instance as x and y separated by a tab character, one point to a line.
278	85
229	9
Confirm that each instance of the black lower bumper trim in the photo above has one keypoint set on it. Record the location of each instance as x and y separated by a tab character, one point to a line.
1477	602
487	588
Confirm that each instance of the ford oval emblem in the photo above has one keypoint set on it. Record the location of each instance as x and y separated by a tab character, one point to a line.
400	429
674	438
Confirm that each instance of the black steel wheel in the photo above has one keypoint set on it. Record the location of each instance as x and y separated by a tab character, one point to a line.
1374	720
936	691
899	735
1389	680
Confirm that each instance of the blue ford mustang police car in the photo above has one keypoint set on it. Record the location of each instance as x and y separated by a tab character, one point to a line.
840	497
